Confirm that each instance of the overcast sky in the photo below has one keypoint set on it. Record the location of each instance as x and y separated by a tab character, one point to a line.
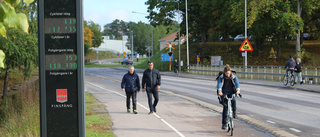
105	11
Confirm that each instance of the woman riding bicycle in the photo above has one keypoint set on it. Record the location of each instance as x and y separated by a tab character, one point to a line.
228	84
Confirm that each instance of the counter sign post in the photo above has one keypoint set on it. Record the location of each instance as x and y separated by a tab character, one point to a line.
61	68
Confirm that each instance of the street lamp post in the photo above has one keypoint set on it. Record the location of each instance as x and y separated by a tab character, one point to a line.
132	46
187	33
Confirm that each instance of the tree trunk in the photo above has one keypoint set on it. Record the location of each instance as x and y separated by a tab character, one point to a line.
5	84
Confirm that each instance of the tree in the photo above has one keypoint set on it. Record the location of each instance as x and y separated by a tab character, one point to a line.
199	13
9	17
97	34
88	35
21	52
143	36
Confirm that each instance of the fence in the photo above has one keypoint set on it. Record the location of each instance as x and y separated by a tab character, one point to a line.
272	73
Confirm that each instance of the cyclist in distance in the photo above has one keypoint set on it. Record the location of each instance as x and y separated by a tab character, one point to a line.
228	84
290	65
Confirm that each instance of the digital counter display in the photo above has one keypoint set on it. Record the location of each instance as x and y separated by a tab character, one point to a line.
60	25
61	62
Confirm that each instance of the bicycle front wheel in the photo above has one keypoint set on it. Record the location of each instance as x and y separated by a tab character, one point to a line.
231	127
285	80
292	78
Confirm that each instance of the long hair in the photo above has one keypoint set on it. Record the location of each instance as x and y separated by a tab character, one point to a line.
227	68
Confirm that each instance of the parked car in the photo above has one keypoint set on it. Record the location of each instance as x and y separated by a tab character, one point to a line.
239	38
127	62
221	38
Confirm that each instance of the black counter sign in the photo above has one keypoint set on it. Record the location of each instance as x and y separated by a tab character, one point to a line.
61	68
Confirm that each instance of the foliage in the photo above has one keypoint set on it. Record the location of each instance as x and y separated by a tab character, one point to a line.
88	34
20	48
97	34
116	29
9	17
210	20
142	36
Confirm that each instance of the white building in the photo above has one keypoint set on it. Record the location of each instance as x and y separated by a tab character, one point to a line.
117	46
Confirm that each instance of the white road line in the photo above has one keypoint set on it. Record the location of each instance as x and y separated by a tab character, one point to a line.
271	122
165	122
295	130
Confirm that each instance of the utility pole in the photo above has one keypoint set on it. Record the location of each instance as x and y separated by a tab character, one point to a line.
132	46
246	36
187	33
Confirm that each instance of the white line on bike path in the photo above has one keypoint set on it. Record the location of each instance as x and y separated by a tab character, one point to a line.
271	122
295	130
165	122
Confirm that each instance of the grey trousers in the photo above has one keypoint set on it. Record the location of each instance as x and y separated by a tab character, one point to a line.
299	75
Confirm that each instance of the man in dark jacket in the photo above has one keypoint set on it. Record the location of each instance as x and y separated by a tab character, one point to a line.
176	66
151	81
298	70
131	84
290	65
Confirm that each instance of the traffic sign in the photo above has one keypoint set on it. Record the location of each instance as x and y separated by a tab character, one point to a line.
246	46
61	68
170	46
165	57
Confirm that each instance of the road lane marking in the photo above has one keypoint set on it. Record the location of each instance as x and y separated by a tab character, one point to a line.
295	130
161	119
271	122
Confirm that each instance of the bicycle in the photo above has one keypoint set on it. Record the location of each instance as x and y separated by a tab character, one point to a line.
289	79
229	119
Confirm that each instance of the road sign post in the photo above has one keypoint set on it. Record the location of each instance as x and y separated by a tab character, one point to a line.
97	54
170	53
61	68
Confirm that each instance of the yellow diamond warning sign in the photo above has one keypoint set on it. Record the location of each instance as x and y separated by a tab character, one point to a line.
246	46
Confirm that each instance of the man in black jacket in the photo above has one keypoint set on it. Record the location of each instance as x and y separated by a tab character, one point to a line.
297	70
131	84
151	81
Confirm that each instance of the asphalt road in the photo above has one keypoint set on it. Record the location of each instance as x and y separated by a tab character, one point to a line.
291	110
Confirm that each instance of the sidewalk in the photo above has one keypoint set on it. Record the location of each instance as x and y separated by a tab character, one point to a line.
304	87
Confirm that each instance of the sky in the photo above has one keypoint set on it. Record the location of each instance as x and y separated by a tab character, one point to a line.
105	11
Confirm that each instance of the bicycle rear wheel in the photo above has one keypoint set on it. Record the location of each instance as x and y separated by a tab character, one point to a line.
285	80
292	80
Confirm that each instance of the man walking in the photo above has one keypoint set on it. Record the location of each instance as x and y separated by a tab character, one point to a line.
151	81
297	70
131	84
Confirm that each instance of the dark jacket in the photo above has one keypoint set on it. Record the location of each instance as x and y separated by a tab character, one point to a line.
298	67
176	64
151	78
290	64
131	82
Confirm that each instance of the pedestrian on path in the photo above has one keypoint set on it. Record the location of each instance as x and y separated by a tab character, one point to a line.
297	71
131	85
151	81
228	84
